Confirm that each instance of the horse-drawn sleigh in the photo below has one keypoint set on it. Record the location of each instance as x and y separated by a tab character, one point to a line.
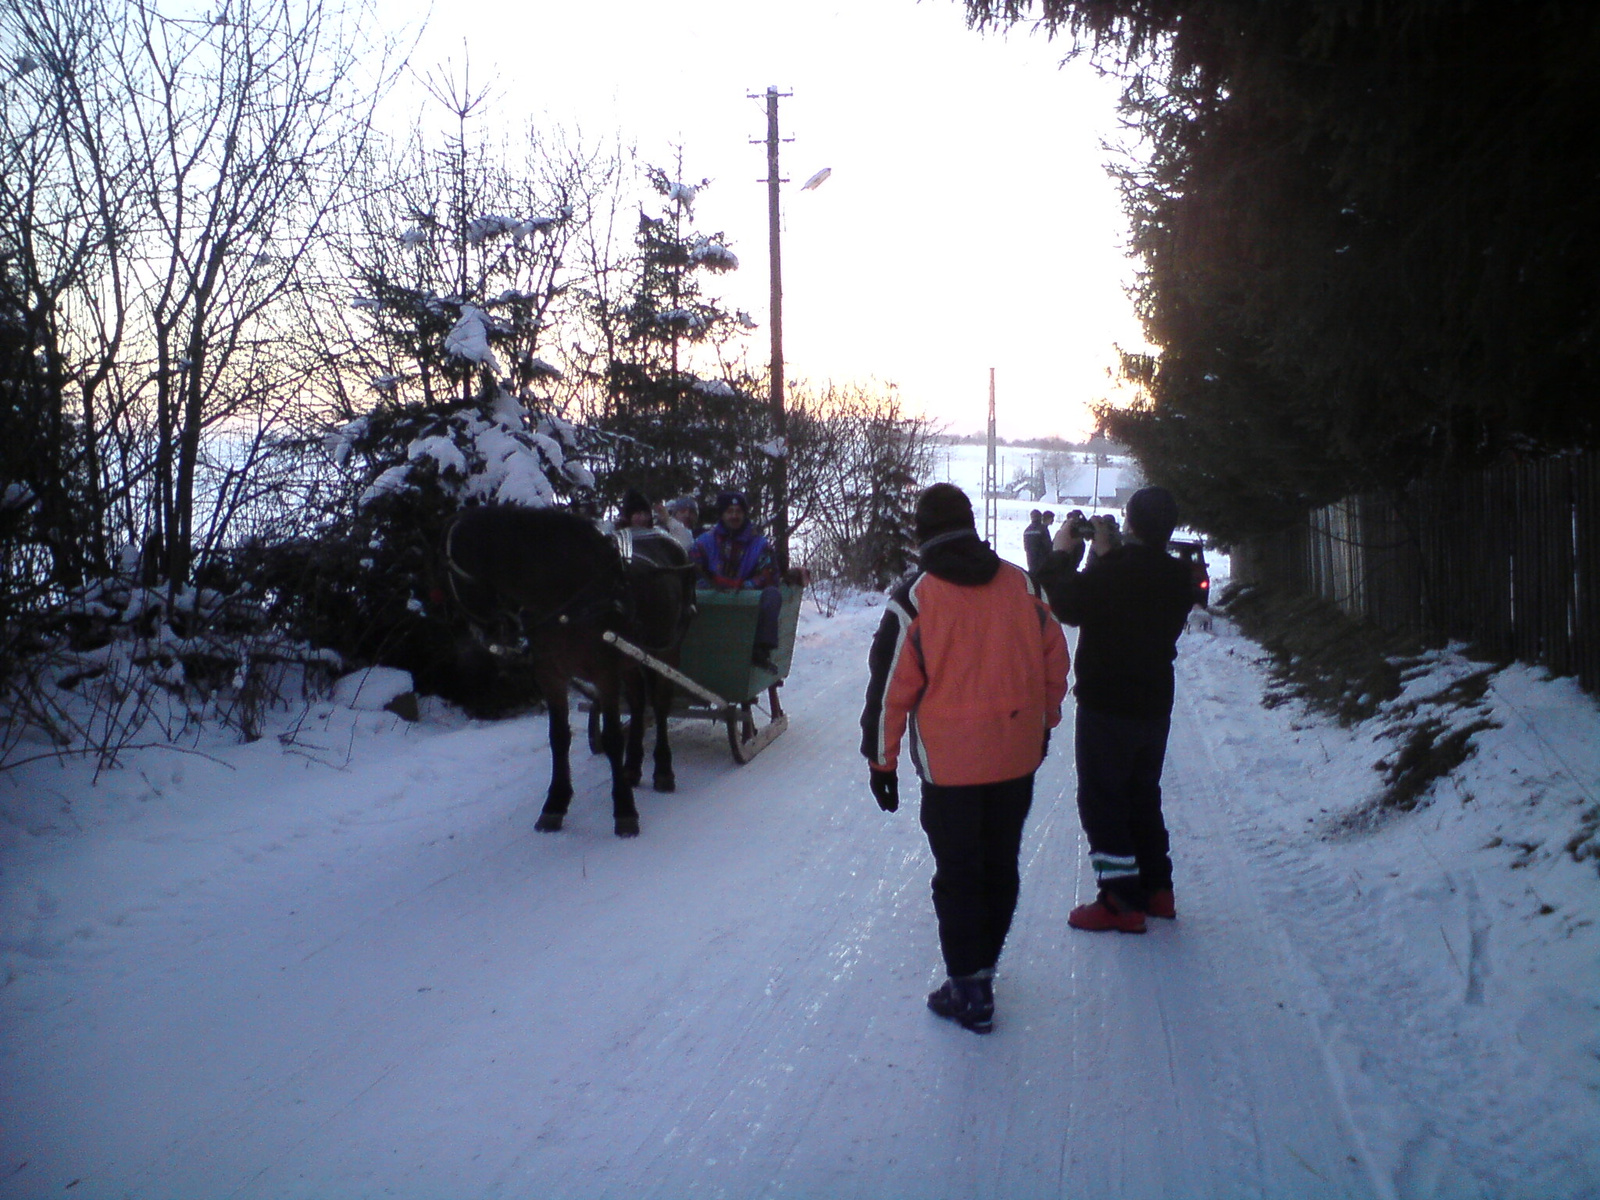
622	619
715	677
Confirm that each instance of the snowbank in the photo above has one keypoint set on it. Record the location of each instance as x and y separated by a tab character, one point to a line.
373	689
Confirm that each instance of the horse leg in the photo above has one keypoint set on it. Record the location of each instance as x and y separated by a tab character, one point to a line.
633	759
661	698
560	794
624	815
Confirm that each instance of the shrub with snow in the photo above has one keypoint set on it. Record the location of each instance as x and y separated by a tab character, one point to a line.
117	664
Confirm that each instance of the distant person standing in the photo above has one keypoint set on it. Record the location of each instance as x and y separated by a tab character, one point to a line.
970	662
1130	603
1035	542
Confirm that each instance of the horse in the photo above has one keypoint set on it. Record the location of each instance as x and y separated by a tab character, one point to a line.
660	581
549	581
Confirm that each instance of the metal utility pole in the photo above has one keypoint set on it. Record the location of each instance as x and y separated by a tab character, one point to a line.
991	481
780	420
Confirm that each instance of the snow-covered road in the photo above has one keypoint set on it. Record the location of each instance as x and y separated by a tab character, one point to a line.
349	967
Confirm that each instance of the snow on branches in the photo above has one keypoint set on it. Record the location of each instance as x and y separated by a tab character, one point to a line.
713	256
496	453
469	338
480	229
682	194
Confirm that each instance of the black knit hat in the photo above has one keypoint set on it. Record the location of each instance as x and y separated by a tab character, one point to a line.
634	501
1152	515
726	500
943	508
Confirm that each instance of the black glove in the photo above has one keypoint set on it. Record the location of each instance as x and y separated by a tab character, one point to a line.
886	790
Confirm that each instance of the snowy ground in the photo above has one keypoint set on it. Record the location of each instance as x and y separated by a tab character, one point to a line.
341	963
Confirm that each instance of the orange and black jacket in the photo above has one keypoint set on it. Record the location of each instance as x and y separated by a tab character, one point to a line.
969	662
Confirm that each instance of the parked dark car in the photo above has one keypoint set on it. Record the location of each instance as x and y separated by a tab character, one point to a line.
1194	554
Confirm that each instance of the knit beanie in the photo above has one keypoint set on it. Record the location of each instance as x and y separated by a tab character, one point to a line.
726	500
943	508
1152	515
634	501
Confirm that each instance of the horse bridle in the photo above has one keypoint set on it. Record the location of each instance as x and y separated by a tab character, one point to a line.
563	614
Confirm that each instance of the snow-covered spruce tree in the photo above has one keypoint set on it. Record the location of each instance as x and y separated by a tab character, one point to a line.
679	418
460	270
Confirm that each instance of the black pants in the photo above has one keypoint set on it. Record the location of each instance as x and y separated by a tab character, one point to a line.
767	618
1119	802
976	835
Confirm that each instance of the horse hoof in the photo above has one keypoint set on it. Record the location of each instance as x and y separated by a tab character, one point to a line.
627	826
548	823
665	783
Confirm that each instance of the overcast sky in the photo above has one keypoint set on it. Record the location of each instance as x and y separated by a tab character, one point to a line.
968	222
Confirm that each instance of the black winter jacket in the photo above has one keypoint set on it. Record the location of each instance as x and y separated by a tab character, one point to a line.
1130	606
1035	545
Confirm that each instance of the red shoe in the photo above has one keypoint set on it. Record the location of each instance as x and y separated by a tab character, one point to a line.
1161	904
1106	914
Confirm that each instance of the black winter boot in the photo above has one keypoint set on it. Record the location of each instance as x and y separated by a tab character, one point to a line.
967	1000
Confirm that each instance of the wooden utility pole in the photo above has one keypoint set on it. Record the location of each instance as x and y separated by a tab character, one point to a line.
780	420
991	480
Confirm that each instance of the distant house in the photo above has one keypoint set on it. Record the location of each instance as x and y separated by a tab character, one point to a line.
1087	486
1076	486
1031	490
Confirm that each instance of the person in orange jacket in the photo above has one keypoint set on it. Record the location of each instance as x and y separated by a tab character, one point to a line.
970	663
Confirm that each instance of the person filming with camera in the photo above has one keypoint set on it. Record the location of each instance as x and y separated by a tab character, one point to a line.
1129	603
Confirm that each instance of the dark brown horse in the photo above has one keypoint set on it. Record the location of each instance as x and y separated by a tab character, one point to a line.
660	589
548	581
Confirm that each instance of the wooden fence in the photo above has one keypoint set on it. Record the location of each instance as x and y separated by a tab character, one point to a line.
1507	559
